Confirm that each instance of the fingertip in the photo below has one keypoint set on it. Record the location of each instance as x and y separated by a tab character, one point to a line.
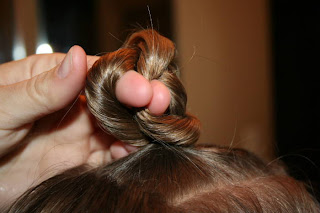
78	66
71	75
133	89
118	150
130	148
77	48
79	59
161	98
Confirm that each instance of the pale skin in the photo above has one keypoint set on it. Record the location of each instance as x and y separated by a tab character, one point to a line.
42	109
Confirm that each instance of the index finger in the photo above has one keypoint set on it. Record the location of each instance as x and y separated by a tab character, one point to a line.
17	71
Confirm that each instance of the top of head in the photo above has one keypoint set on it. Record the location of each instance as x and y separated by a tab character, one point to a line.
151	55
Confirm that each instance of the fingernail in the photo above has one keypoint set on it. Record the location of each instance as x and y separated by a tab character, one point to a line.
65	66
118	151
130	148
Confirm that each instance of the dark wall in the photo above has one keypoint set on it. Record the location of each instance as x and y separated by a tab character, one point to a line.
296	39
98	25
6	30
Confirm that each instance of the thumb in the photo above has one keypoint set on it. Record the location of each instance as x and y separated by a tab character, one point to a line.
50	91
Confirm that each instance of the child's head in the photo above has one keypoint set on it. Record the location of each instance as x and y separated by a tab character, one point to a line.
168	173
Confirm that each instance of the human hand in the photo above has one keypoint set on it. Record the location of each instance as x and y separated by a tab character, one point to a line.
36	140
49	131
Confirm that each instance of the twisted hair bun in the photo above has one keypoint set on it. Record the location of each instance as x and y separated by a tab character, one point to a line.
151	55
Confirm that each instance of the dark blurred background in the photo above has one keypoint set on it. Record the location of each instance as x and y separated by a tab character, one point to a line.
250	67
296	45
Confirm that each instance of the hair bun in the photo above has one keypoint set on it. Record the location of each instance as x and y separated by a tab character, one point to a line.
151	55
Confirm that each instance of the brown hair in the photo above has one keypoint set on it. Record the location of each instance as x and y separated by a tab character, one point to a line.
152	56
168	173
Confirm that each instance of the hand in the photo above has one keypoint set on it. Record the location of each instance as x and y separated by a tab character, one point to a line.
50	131
38	136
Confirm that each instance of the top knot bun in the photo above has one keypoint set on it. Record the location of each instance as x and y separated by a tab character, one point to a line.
151	55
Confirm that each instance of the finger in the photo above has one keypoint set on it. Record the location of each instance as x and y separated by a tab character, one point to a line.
133	89
161	98
50	91
91	60
119	149
17	71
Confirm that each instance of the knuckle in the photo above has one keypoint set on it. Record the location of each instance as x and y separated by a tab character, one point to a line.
30	61
36	62
37	91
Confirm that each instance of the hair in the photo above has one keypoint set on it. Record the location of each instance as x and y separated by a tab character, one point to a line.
168	173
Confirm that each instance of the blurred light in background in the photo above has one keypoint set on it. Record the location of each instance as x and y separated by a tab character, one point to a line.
19	51
44	48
